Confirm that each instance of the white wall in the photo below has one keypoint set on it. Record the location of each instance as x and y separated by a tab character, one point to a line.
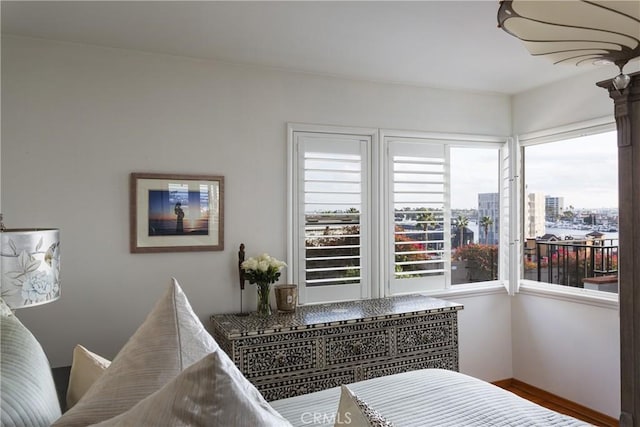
78	119
485	335
567	348
568	101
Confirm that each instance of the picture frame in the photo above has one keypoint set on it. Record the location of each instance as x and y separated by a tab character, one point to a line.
176	212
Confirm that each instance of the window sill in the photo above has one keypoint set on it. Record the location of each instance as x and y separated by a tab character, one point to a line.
469	290
466	290
565	293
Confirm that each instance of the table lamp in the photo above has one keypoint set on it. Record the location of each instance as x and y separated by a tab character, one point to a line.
29	266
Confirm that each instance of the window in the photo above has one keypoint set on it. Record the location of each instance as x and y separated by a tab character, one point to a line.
570	208
417	210
330	216
377	213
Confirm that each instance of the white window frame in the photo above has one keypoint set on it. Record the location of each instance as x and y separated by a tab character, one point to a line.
378	219
510	173
391	285
295	251
532	287
451	140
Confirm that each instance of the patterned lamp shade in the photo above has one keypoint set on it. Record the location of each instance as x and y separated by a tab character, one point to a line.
30	266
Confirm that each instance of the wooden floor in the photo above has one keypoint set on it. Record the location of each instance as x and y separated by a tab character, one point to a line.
556	403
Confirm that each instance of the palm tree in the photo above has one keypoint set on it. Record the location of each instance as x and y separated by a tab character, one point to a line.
425	219
485	223
462	221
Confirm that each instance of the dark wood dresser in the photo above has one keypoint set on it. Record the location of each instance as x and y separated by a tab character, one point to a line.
326	345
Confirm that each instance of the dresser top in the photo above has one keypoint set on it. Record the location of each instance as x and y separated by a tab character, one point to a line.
323	315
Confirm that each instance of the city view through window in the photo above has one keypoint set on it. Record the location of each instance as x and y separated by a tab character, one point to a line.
475	214
571	212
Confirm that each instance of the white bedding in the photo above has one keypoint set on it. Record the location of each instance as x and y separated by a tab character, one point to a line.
426	398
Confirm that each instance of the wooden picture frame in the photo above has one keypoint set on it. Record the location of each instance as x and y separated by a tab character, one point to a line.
176	213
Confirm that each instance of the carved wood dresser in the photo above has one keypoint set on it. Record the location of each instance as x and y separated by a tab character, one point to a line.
324	346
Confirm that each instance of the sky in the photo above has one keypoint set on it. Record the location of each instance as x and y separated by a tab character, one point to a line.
473	171
582	170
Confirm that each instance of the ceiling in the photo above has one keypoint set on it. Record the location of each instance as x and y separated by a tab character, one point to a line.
446	44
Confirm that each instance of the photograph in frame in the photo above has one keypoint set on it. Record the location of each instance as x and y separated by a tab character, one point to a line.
176	213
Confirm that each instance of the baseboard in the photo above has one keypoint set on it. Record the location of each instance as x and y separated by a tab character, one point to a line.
596	417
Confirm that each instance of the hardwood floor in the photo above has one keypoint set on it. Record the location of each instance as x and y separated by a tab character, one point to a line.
556	403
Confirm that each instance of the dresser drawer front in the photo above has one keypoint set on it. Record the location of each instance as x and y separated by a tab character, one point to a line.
426	336
355	347
277	359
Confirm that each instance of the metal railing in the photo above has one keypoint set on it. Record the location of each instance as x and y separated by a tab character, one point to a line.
568	262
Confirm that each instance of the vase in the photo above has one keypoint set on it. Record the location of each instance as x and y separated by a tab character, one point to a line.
264	308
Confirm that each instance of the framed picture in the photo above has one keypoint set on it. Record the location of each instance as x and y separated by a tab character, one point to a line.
176	213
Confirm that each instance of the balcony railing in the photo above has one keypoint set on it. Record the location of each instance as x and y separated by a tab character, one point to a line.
569	262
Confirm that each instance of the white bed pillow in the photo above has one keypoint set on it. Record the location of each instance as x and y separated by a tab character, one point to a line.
170	339
27	392
86	368
354	412
212	392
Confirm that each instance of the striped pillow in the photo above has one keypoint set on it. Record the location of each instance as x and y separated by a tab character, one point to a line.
28	395
212	392
170	339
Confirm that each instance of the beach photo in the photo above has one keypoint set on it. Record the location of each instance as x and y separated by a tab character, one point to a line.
178	211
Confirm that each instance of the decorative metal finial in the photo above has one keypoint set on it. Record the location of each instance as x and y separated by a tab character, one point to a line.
242	278
240	261
621	81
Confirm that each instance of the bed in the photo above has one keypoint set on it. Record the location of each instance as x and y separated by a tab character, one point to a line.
429	397
171	372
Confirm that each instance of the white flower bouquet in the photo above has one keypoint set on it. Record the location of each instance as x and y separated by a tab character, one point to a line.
263	271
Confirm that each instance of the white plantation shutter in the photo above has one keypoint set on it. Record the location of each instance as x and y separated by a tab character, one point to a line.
370	210
509	245
417	239
331	235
